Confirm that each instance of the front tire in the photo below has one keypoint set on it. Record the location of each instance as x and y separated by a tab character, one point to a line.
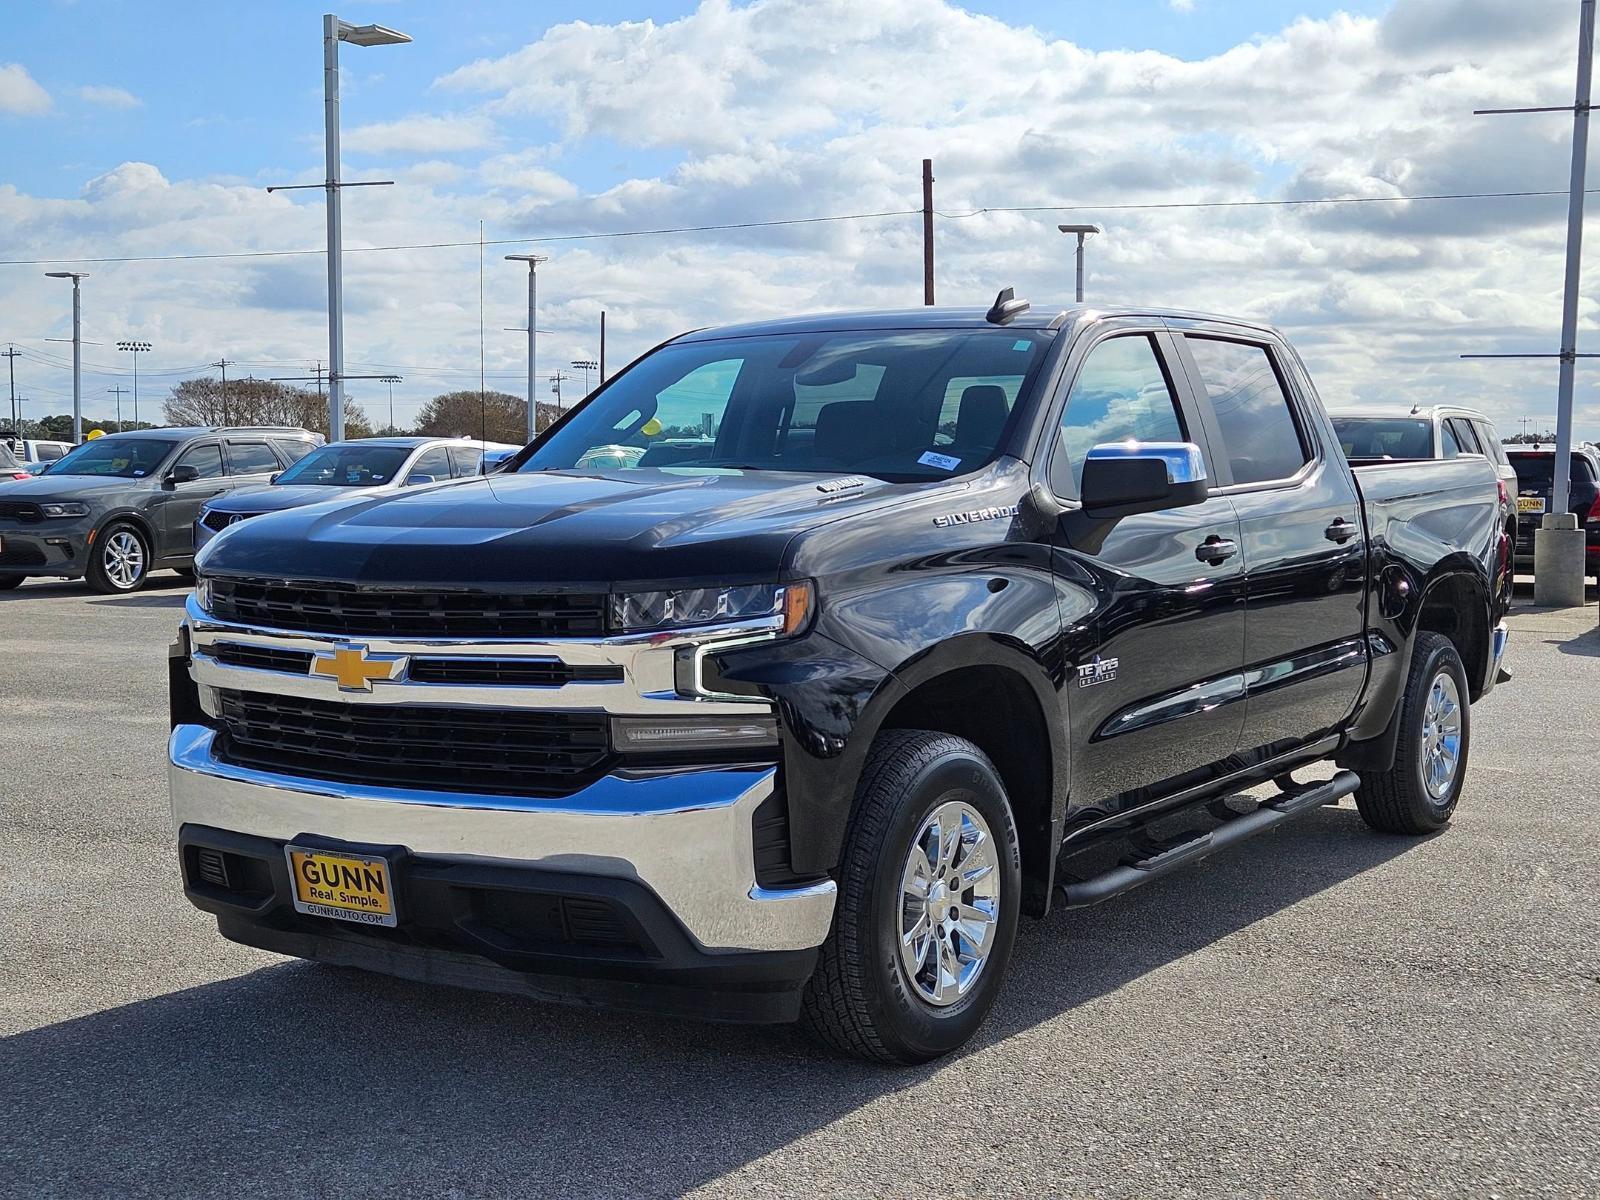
1419	793
929	892
7	582
120	560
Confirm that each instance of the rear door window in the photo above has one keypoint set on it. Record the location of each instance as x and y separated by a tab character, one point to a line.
251	458
1449	441
293	449
1466	435
1258	425
465	460
1121	393
435	463
1490	441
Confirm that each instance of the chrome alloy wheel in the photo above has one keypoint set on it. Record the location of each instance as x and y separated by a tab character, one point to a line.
949	903
1441	737
124	558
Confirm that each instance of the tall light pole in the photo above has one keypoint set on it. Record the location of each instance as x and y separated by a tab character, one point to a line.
335	31
135	349
533	261
391	380
77	351
585	365
1083	231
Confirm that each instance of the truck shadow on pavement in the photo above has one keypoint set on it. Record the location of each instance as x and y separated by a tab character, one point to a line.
297	1079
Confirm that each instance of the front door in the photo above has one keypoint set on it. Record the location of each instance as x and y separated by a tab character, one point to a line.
183	500
1157	690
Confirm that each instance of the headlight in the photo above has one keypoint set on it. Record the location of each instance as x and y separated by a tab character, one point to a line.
635	612
69	508
202	593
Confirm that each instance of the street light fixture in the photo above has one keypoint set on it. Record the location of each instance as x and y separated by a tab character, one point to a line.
585	365
533	261
335	31
391	380
77	351
135	349
1082	231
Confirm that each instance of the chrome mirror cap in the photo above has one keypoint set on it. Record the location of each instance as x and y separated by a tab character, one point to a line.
1183	460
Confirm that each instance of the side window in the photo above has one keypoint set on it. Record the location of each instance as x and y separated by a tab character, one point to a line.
1449	443
465	460
1258	425
1466	435
251	458
206	459
50	452
293	449
1490	441
435	462
1121	393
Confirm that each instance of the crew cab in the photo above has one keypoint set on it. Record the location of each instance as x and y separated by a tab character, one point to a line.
884	628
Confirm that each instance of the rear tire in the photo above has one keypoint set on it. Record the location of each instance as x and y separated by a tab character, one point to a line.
930	815
1419	793
119	561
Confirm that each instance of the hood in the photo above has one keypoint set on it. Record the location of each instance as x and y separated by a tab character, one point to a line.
272	497
68	487
577	530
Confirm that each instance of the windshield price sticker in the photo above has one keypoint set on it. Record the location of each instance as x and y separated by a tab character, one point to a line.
943	461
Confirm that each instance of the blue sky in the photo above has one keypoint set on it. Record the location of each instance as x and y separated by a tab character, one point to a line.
152	129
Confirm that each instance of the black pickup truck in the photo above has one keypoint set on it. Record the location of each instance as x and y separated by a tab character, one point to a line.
782	676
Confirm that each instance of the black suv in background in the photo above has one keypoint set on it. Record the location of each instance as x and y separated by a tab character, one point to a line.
118	507
1535	468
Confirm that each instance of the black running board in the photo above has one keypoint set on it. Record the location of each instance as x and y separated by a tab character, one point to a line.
1281	808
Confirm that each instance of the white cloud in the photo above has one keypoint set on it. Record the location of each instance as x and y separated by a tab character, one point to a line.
19	93
108	97
786	108
421	134
1182	6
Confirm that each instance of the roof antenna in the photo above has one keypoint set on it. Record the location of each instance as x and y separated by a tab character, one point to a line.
1006	306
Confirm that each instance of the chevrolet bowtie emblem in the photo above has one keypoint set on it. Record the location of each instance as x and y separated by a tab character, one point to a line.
354	668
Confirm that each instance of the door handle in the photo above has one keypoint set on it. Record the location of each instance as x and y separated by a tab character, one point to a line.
1341	530
1216	549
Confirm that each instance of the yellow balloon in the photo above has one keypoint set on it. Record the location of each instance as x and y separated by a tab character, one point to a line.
651	427
94	433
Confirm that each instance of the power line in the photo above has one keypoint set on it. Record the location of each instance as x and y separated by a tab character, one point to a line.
791	221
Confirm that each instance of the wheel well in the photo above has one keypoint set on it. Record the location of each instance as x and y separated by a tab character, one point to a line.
1455	607
996	710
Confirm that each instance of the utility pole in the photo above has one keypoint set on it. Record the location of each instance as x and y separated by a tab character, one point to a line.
533	261
119	389
135	349
223	364
555	386
1558	544
77	277
11	355
1082	231
927	231
391	380
602	347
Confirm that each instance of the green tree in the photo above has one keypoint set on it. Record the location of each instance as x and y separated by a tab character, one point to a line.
257	402
493	416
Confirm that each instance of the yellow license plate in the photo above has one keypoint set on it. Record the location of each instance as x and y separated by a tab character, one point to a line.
346	887
1530	504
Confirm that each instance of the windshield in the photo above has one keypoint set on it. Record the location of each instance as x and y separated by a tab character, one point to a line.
1384	437
900	405
347	466
124	458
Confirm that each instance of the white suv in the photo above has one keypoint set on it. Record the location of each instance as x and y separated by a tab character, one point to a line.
1369	435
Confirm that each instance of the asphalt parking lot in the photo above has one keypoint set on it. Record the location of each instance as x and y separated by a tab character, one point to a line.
1321	1012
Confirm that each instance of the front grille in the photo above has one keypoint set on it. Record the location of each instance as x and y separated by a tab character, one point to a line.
508	751
262	658
21	510
20	554
325	609
218	521
509	672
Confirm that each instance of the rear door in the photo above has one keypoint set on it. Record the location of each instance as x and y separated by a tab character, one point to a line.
1159	694
1303	537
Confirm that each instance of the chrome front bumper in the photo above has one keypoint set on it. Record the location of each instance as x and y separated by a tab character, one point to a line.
687	836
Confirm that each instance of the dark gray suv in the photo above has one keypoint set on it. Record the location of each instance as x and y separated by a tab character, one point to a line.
116	508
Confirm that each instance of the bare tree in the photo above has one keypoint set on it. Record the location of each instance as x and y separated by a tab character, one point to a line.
257	402
493	416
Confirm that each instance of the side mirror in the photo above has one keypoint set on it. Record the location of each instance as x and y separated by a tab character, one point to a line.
413	479
273	478
1123	478
183	473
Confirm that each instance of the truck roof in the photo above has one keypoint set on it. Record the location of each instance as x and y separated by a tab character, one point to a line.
1038	316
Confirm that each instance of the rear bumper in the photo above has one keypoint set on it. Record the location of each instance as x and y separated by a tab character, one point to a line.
670	858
